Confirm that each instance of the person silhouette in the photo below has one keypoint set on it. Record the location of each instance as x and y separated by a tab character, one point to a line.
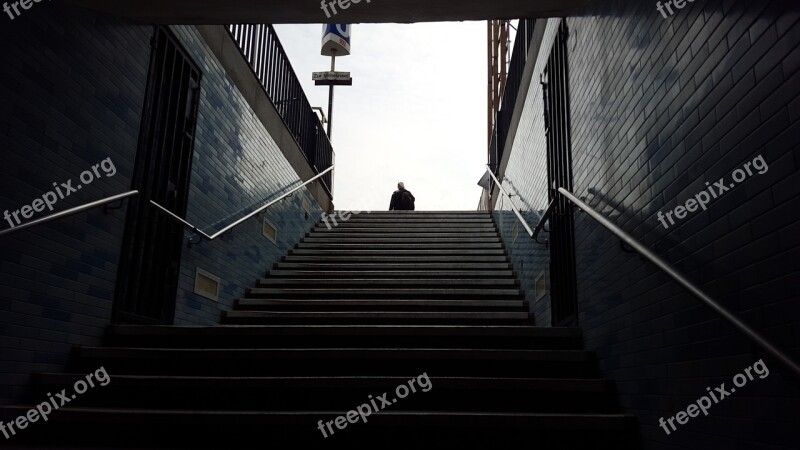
402	199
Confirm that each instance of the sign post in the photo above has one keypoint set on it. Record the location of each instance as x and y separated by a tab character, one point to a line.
335	41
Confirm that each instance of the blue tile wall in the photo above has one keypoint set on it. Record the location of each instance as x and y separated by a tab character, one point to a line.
525	179
237	167
659	107
72	89
530	260
71	94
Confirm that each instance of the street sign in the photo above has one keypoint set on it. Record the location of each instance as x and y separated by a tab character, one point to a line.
332	78
338	76
335	40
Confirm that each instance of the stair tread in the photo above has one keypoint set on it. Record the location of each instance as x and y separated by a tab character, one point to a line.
408	230
502	330
394	353
399	413
379	281
439	246
407	290
387	252
389	274
475	259
490	382
394	267
408	237
380	314
382	302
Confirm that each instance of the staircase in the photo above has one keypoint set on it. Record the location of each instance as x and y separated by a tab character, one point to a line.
351	313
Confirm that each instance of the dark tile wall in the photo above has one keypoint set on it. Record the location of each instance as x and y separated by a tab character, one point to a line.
71	94
237	167
530	260
659	108
525	179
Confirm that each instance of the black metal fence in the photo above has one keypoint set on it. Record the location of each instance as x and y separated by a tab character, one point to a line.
261	48
519	57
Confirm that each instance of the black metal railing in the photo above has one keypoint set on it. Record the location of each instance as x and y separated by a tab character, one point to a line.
519	58
262	49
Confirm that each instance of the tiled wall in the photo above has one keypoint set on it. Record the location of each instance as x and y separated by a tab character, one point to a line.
71	94
659	108
531	261
237	166
526	180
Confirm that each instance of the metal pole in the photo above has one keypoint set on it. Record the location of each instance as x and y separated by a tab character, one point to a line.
330	99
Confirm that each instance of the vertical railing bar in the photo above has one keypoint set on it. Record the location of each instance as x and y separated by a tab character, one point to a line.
262	49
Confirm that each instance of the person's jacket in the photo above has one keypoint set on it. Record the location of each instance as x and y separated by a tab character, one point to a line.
402	200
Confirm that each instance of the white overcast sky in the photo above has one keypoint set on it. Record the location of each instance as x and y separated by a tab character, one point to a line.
416	111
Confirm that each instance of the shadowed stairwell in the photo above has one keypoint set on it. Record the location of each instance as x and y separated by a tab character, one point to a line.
352	311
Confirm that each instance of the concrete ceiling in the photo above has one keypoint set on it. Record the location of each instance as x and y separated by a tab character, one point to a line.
309	11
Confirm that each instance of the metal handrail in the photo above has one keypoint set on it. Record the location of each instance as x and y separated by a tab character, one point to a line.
233	225
71	211
676	275
513	206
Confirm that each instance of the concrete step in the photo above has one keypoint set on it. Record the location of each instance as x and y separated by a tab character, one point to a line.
392	428
401	362
394	266
401	237
330	283
422	214
382	305
328	239
415	261
445	223
335	393
399	246
345	336
402	232
375	317
367	292
402	223
373	218
419	252
390	274
432	227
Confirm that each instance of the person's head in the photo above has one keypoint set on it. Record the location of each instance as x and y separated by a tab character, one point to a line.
401	185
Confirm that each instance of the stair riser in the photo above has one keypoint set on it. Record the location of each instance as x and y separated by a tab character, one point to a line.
434	294
395	267
376	274
412	261
411	224
344	240
400	230
316	283
338	366
371	219
249	396
334	235
368	321
412	215
379	305
419	254
386	428
398	246
347	341
455	221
